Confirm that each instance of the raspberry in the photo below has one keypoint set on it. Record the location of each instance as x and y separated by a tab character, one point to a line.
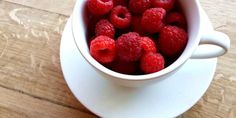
152	20
136	24
147	44
103	49
139	6
104	27
176	19
90	40
172	41
99	7
125	67
120	17
119	2
152	62
165	4
128	47
92	21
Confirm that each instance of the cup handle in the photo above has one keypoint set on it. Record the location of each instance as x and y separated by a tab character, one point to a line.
213	44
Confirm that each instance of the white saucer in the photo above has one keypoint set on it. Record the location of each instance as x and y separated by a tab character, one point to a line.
168	98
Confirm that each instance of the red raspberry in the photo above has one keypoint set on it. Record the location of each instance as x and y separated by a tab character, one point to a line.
99	7
152	20
103	49
139	6
120	17
165	4
152	62
104	27
90	40
147	44
91	23
136	24
119	2
172	41
128	47
125	67
176	19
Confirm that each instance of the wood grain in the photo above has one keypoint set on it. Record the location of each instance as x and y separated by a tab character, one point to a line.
29	47
31	81
64	7
16	105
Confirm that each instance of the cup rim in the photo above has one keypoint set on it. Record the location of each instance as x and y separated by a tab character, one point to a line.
180	61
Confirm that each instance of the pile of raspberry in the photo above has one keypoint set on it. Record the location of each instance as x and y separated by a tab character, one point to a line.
136	36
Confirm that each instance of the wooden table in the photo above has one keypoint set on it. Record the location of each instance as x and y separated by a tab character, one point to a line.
31	81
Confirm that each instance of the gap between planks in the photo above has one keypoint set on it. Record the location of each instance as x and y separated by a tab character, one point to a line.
22	105
44	99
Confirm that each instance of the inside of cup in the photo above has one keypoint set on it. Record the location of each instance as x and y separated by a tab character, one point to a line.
191	11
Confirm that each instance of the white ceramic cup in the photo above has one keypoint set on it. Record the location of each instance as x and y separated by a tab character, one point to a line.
200	45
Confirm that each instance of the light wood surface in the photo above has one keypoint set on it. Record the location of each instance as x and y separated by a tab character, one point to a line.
31	81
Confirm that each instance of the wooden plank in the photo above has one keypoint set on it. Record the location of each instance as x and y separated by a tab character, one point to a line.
17	105
29	59
56	6
29	54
